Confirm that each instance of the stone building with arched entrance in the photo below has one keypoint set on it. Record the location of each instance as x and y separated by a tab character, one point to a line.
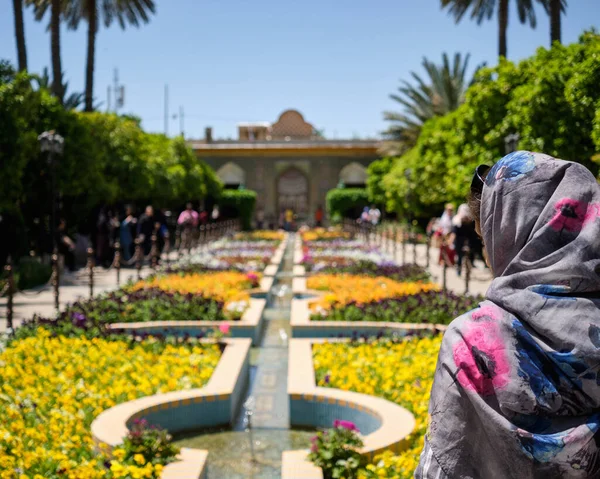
288	163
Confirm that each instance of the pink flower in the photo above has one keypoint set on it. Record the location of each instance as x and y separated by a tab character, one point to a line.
481	358
224	328
253	278
571	215
345	425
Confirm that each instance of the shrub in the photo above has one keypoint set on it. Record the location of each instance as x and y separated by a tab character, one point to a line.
432	307
346	202
335	451
241	203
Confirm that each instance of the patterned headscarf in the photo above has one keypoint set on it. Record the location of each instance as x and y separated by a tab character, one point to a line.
517	385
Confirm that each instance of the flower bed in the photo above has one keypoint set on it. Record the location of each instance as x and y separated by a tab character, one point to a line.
54	386
321	234
404	273
345	289
400	371
260	235
227	287
432	307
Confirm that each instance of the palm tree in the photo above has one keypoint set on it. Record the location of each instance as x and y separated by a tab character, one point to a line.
484	9
71	101
20	34
124	11
554	8
56	10
441	92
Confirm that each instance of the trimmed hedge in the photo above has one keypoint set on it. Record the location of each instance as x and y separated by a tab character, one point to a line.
346	202
242	203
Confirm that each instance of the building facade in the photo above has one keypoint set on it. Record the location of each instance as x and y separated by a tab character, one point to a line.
287	163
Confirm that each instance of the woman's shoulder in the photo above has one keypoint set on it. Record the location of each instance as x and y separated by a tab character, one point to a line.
486	311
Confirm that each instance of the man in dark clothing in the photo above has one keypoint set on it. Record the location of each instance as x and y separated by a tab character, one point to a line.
146	229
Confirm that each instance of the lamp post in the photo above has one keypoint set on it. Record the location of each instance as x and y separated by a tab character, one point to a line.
52	143
510	143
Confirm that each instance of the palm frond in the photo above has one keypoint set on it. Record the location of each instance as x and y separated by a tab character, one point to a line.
440	91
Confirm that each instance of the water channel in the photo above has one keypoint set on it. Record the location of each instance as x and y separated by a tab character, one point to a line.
253	447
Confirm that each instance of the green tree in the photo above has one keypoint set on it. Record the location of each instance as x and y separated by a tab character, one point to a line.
376	172
484	10
552	100
20	34
441	92
94	12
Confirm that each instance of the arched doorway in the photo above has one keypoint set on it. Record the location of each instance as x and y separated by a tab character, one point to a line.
292	192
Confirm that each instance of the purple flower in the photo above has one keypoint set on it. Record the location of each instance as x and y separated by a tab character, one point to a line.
327	378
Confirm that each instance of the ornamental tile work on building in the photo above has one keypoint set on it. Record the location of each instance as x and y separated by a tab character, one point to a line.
288	163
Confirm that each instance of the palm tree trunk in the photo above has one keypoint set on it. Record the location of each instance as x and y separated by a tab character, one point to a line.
20	34
555	10
502	26
57	83
91	52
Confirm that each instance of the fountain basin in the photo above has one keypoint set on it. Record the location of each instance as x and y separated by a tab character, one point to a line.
216	404
230	455
383	424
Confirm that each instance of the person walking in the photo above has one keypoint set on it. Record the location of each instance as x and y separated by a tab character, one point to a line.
516	392
127	231
188	222
260	219
447	251
319	216
463	235
65	245
215	213
146	227
374	215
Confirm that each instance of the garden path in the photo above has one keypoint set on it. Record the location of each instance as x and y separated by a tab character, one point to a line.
73	287
480	280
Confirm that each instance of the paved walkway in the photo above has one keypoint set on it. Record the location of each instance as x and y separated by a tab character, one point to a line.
480	280
73	286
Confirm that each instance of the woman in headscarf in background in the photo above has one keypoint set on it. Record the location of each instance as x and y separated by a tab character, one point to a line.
516	392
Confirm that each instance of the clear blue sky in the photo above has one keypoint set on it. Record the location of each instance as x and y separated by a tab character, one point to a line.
228	61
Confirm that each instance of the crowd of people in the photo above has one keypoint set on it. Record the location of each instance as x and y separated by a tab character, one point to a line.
455	236
110	228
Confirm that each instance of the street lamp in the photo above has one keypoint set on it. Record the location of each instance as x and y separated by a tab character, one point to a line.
510	143
53	144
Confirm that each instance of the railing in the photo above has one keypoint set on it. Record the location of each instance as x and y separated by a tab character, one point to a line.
206	234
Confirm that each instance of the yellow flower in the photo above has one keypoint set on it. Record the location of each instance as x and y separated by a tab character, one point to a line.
139	458
401	372
227	286
346	288
319	234
55	387
119	454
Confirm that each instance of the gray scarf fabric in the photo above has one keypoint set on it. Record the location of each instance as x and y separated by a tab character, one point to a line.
517	385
